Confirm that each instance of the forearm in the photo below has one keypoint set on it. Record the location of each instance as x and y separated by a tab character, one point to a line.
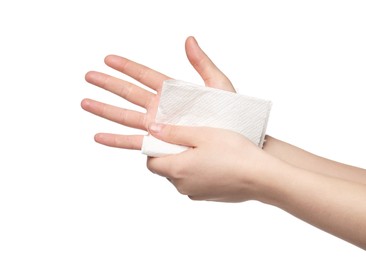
308	161
331	204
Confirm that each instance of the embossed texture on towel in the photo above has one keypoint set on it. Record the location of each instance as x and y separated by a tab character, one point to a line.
187	104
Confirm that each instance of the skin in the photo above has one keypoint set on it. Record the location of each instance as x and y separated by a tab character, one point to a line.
303	184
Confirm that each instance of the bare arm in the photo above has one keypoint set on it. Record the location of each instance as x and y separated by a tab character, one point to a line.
311	162
324	193
331	204
211	76
240	171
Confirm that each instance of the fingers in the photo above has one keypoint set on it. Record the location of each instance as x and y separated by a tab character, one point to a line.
133	142
210	74
164	169
170	166
116	114
139	72
182	135
124	89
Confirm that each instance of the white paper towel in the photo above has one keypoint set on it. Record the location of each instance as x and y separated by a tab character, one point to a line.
187	104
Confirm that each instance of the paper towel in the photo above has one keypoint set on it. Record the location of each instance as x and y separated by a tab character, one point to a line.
186	104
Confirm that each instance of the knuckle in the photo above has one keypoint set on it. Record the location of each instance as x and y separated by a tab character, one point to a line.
141	122
105	82
149	102
170	132
181	188
150	165
141	74
194	198
124	65
125	90
125	142
117	141
102	111
177	171
122	117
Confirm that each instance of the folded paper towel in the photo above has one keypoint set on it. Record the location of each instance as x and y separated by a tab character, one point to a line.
187	104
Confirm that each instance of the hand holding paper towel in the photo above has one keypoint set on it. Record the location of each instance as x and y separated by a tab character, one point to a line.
187	104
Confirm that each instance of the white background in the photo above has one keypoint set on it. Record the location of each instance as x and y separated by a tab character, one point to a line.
62	196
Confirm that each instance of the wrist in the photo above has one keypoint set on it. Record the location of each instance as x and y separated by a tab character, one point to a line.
269	181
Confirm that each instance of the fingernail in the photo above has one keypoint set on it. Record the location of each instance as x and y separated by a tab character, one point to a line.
85	103
194	40
156	128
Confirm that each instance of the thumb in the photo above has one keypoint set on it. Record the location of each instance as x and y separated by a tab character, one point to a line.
208	71
182	135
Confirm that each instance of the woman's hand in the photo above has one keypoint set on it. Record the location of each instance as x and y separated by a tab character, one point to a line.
225	166
221	165
210	74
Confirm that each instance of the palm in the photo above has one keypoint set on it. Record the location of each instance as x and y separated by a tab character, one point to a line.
148	100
